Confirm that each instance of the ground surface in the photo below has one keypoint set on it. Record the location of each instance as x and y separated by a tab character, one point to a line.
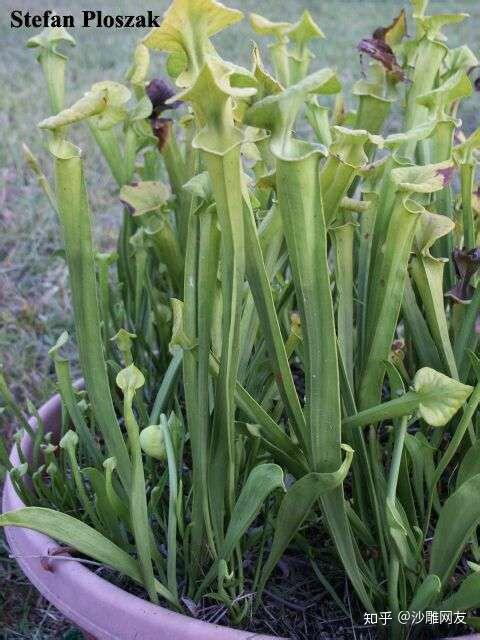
34	306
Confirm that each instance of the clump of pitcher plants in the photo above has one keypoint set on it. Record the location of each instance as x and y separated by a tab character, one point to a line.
285	337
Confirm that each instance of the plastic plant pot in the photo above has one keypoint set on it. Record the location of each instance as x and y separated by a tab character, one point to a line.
100	609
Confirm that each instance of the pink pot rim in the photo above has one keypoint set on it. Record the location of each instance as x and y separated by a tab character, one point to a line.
95	605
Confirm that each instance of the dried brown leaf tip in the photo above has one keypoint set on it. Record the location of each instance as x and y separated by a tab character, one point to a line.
379	46
162	129
398	351
395	32
466	264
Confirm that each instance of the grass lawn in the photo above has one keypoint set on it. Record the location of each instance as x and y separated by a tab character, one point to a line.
34	301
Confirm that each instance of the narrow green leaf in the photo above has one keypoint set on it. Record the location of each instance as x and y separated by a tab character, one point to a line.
466	597
462	426
129	380
296	505
103	505
262	294
66	389
81	537
262	481
343	239
470	465
75	219
428	275
383	310
172	508
418	329
426	594
453	530
167	387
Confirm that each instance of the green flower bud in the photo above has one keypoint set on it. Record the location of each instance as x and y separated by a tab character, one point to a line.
124	341
130	379
69	440
110	464
153	442
61	342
